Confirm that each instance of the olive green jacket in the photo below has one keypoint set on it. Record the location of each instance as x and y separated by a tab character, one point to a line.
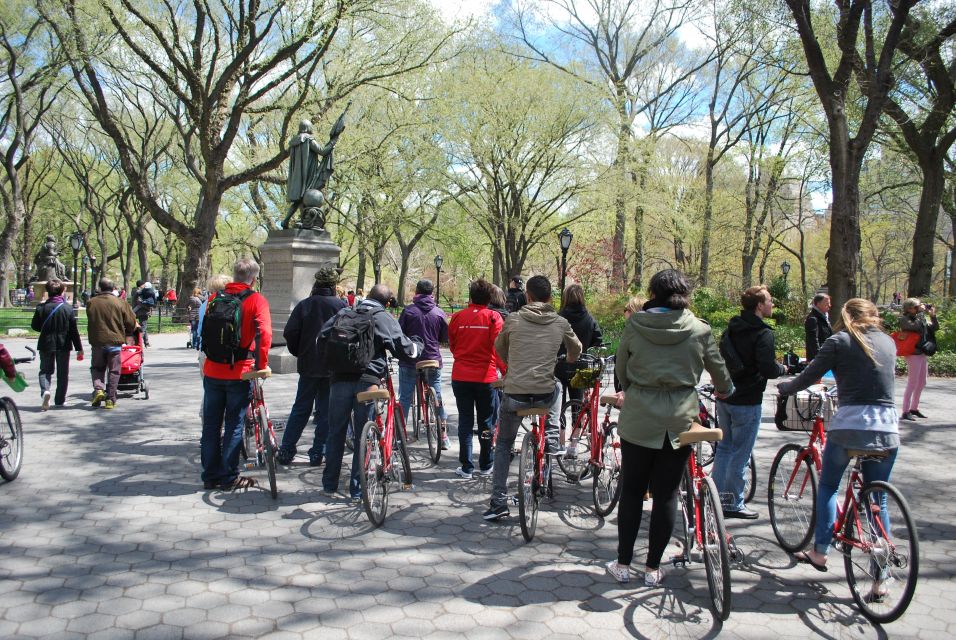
659	362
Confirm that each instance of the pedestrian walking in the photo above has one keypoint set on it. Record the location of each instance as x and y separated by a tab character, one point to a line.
55	320
109	321
816	326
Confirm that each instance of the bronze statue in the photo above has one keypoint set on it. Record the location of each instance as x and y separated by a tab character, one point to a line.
48	265
310	167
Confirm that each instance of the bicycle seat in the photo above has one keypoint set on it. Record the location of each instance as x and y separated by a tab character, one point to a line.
427	364
699	433
498	384
533	411
369	396
608	401
261	373
878	454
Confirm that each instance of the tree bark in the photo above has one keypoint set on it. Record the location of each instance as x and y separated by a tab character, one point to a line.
924	236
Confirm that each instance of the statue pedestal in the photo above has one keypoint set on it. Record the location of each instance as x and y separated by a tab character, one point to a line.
290	258
39	290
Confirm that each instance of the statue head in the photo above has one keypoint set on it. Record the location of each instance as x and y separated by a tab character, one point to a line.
305	126
50	239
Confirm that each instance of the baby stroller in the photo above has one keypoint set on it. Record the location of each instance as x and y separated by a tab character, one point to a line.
131	379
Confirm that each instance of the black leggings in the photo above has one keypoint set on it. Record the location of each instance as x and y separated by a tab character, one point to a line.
660	471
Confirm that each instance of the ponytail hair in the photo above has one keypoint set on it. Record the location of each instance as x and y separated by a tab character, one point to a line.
857	317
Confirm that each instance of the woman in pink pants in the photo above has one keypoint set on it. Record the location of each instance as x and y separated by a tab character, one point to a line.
914	318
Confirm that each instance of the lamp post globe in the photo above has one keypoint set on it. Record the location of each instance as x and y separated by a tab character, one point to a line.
785	269
564	238
438	263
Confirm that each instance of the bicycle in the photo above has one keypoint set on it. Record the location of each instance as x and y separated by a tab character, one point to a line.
703	519
792	486
708	417
258	434
605	461
377	443
582	414
873	529
11	432
426	409
534	470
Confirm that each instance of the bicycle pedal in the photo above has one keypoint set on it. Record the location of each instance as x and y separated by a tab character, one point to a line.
681	562
408	486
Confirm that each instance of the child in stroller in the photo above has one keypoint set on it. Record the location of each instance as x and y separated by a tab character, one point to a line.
131	379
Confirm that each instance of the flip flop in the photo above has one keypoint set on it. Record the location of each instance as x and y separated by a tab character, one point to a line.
241	482
804	558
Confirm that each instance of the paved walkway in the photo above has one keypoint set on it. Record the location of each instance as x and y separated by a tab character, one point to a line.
107	534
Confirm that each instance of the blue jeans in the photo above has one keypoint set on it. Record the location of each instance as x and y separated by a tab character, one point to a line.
407	377
342	406
508	431
740	424
835	460
312	393
472	398
224	408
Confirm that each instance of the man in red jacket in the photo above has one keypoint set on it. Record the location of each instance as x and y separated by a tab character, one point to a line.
227	395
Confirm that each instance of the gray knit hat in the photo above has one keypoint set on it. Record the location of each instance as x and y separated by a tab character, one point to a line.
327	277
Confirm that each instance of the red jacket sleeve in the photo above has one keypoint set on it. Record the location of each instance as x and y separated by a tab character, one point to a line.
6	363
262	327
496	325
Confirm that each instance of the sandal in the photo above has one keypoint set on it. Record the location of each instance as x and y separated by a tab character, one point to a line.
804	558
241	482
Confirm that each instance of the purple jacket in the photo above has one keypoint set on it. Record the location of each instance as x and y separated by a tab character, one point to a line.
424	320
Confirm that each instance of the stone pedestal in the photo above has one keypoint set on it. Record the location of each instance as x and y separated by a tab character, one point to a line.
290	258
39	290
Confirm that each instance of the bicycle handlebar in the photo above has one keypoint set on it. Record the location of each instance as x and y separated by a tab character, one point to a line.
33	356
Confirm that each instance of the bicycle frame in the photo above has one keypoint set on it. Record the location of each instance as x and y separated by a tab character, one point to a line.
388	428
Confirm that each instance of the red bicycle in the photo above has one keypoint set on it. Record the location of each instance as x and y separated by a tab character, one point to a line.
379	439
259	440
534	471
426	409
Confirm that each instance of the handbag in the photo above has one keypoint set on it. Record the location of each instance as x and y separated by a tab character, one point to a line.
906	342
926	347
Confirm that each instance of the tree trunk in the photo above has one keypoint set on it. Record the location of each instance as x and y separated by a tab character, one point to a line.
9	236
708	218
640	178
620	201
924	237
844	253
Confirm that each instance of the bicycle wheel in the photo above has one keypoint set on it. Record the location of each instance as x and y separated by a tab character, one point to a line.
431	424
881	553
750	481
716	551
576	467
792	498
11	440
416	415
249	441
606	481
400	446
374	486
528	485
269	449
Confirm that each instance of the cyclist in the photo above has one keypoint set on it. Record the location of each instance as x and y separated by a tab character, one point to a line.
588	331
226	393
345	384
423	319
862	359
661	356
528	344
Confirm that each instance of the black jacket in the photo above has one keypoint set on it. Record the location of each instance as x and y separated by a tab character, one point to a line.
919	323
388	337
301	332
817	328
753	340
584	325
60	332
515	299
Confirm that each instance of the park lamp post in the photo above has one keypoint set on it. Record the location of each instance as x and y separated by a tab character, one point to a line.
438	262
377	268
785	268
76	243
565	239
86	267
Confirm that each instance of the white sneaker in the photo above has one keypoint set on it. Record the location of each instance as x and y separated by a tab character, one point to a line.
46	401
490	471
445	443
571	451
619	572
653	578
461	473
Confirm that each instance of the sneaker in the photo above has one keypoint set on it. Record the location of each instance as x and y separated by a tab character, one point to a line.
917	413
461	473
743	514
496	512
484	473
907	415
109	404
551	447
315	460
653	578
98	396
46	401
620	572
571	451
284	457
355	499
445	442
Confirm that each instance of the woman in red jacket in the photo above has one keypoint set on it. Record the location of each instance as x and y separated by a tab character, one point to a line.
471	336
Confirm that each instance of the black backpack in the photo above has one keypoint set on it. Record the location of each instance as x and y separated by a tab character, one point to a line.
350	346
221	327
733	361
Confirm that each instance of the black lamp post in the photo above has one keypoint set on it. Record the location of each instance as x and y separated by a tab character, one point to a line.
76	243
565	239
377	268
785	268
86	266
438	262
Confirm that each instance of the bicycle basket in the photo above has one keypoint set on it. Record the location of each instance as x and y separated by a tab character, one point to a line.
796	413
585	378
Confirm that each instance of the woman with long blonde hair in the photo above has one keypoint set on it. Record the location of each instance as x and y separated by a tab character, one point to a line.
863	359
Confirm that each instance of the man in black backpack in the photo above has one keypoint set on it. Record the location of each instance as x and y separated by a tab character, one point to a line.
301	337
516	297
751	361
355	344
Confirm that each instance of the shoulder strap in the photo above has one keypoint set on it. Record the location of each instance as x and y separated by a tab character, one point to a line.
50	315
